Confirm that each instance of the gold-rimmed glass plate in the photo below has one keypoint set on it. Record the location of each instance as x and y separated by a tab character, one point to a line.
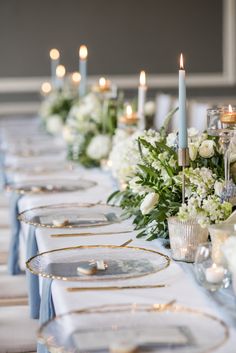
121	263
72	215
151	328
37	169
49	186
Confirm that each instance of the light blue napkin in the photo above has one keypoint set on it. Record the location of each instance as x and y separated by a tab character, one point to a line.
3	176
32	280
47	310
13	257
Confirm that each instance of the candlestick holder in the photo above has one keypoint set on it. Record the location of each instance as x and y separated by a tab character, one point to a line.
221	122
183	161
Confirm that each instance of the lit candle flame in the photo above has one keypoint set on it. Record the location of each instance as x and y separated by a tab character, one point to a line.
102	82
54	54
83	52
60	71
129	111
142	78
76	77
230	108
181	62
46	87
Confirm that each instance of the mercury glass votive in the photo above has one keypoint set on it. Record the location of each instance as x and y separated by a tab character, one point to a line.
185	236
209	274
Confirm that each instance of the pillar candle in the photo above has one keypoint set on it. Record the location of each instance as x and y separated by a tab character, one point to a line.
183	137
55	61
142	90
83	53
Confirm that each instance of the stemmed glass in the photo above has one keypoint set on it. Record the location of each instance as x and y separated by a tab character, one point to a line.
221	121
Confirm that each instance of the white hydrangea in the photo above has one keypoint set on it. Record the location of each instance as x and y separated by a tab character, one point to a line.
99	147
54	124
125	155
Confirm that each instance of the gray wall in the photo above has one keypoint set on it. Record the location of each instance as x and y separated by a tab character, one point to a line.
122	37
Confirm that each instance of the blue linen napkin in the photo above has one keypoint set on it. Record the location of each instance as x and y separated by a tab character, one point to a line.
32	280
3	176
47	310
13	258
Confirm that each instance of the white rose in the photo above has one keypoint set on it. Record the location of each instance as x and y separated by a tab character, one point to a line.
99	147
54	124
219	187
149	108
192	151
149	203
206	149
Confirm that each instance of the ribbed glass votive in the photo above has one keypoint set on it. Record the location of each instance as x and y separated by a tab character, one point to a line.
185	236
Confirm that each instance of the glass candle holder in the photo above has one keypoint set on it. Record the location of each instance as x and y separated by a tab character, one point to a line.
185	236
207	272
219	233
221	121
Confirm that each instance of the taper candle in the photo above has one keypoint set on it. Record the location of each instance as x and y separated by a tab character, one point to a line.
142	89
55	61
60	73
83	53
183	137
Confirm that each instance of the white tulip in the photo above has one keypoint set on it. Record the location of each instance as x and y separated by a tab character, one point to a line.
219	187
192	151
149	203
206	149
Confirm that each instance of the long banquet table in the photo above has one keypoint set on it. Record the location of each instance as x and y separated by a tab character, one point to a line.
178	278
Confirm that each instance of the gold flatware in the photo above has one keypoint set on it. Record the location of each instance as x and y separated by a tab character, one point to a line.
58	235
83	289
126	243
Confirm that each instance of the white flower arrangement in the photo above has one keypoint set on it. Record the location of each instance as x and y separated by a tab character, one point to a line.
54	110
154	180
89	129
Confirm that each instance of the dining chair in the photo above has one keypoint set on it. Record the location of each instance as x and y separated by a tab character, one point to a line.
13	290
18	331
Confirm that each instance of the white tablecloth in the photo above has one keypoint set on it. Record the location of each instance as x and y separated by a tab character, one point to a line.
179	285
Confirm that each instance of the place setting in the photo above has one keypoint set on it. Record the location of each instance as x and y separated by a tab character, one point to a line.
99	263
130	328
35	187
74	215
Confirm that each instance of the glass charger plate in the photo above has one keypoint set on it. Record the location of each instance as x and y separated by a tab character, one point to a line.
149	328
72	215
50	186
121	262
